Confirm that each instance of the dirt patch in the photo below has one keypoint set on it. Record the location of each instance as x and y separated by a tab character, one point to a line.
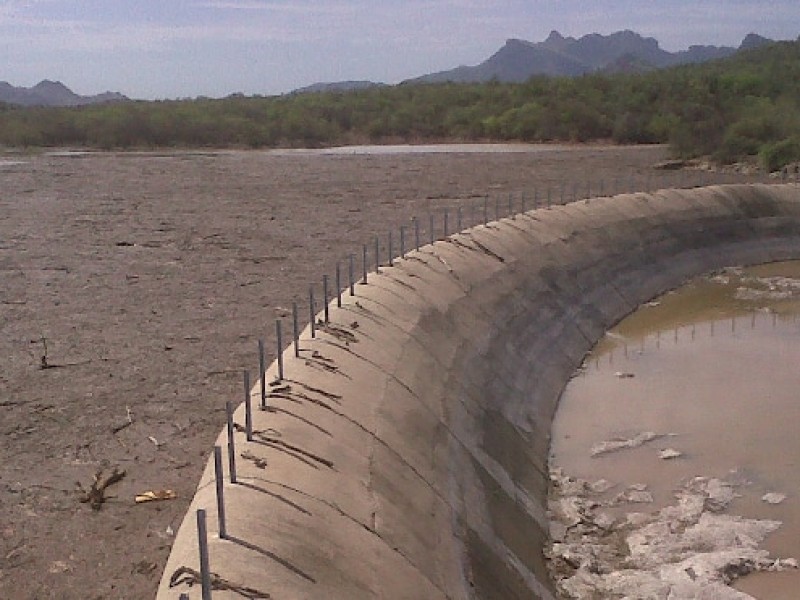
133	290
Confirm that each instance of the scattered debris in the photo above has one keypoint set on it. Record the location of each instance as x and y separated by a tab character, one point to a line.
319	361
622	375
636	493
156	443
601	486
259	462
190	577
58	566
154	495
669	453
719	493
686	550
339	333
773	498
127	423
43	363
95	496
143	567
624	443
282	311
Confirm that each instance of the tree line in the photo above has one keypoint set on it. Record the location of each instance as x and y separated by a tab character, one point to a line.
744	106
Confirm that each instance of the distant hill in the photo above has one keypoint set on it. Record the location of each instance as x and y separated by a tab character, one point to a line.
52	93
626	51
337	86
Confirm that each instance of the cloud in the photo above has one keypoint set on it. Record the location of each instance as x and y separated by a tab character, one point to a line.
308	8
39	35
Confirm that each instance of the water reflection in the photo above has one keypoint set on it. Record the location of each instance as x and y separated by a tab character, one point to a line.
614	344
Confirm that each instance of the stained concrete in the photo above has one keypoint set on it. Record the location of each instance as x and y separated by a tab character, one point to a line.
411	454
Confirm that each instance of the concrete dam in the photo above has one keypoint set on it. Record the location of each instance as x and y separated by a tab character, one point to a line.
404	453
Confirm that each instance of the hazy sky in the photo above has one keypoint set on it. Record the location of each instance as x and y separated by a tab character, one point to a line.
180	48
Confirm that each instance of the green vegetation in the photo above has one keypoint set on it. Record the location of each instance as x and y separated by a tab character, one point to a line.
745	106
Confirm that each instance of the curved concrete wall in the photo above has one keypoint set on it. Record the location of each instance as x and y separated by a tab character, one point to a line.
406	454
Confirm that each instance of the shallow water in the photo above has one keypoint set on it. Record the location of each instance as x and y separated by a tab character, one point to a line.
713	366
426	149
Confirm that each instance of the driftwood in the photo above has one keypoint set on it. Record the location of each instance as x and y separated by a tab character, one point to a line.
190	577
95	496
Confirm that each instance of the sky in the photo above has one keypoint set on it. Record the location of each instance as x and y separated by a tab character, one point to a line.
164	49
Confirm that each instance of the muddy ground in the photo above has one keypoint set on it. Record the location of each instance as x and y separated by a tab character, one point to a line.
150	278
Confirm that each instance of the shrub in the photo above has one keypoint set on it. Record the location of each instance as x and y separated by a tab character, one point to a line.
779	154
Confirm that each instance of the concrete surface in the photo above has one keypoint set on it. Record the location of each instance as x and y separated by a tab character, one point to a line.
408	456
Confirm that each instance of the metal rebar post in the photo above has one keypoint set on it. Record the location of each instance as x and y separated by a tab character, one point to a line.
588	189
459	219
510	204
296	330
497	208
202	539
522	201
351	267
218	479
325	296
231	446
562	192
430	228
416	234
472	220
549	197
364	262
377	254
485	210
445	223
338	285
390	249
402	241
248	408
262	373
279	336
312	312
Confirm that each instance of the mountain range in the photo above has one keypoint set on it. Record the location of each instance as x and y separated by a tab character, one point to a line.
519	60
516	61
559	56
337	86
52	93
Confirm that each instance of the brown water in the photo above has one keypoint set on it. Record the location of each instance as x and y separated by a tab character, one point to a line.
715	364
